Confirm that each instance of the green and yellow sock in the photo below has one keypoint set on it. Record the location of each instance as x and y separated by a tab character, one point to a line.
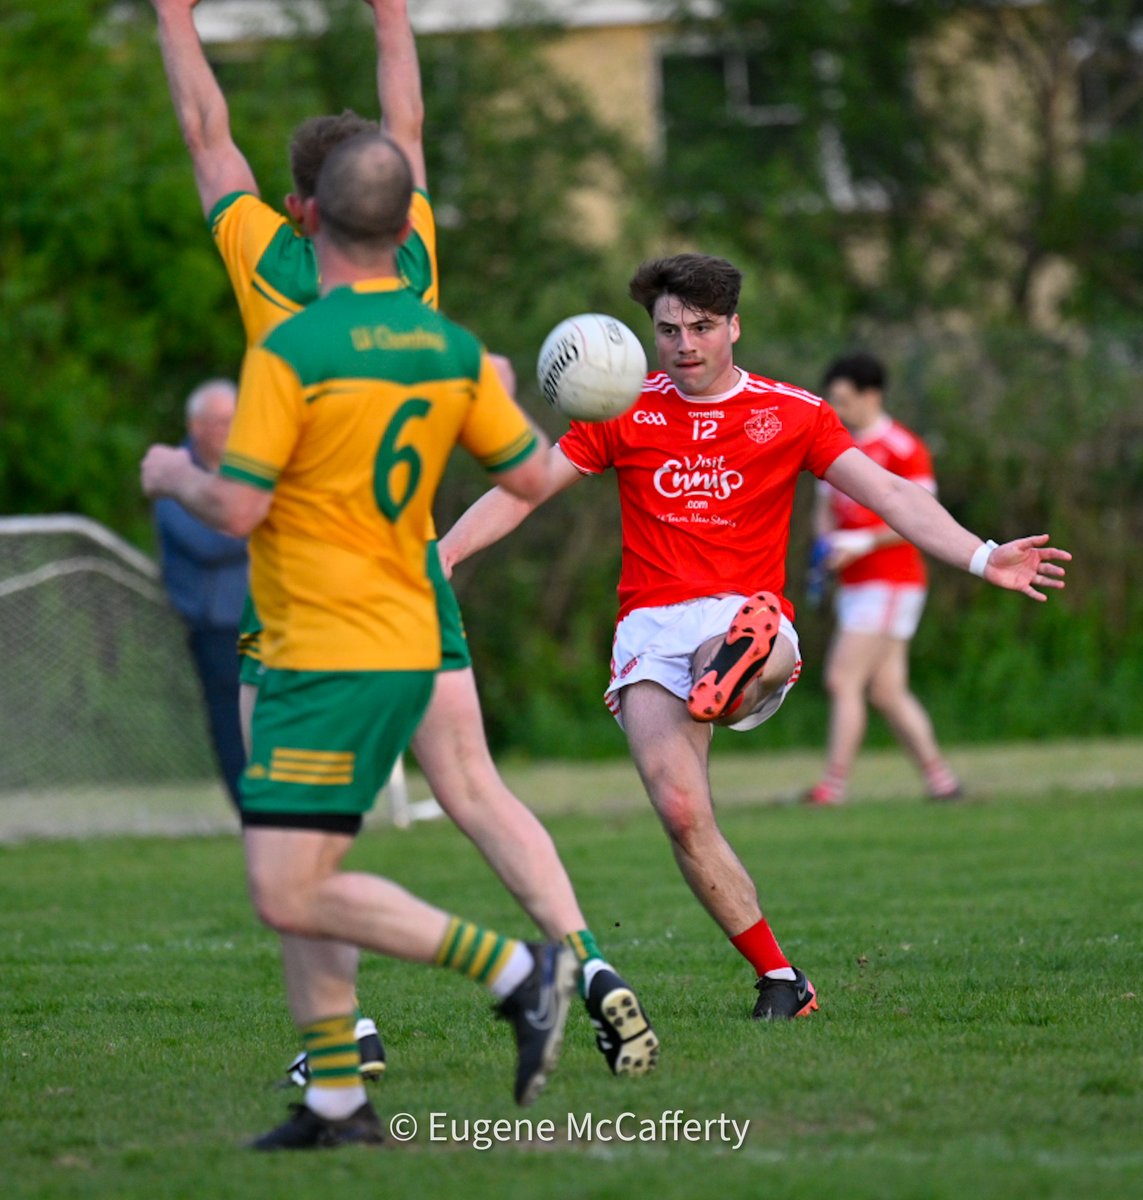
500	963
335	1089
583	945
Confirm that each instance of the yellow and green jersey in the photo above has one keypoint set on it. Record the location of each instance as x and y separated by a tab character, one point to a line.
273	268
274	273
349	411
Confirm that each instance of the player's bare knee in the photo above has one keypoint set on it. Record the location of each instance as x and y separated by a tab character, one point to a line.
684	816
886	698
277	906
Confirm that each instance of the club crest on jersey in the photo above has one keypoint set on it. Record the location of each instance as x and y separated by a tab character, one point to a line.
645	417
763	425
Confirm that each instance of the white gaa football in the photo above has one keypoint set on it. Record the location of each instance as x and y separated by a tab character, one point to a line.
591	367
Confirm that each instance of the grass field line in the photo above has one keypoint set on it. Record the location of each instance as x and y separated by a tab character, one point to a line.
581	788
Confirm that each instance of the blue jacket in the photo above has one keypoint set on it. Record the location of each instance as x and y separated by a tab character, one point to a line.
206	573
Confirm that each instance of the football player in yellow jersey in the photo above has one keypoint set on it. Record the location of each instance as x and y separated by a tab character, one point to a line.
450	743
347	414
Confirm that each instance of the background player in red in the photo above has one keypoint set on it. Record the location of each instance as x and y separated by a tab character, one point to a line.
707	461
881	586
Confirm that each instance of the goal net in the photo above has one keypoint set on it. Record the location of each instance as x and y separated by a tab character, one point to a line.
99	703
102	723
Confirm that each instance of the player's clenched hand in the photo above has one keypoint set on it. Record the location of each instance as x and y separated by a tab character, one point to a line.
1027	564
161	469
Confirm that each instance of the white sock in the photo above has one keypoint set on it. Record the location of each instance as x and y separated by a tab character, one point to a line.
591	968
782	973
335	1104
514	972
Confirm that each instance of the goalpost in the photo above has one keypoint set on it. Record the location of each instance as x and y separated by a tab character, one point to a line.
101	717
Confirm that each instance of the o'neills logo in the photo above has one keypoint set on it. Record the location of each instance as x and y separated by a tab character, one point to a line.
763	425
554	364
697	476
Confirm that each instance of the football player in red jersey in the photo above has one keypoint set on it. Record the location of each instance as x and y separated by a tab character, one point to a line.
881	585
707	461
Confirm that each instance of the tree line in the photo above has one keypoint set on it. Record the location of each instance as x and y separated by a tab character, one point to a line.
841	154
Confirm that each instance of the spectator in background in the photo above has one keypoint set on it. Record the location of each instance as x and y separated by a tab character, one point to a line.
206	576
881	585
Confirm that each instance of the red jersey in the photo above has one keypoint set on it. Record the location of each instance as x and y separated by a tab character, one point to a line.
706	484
900	451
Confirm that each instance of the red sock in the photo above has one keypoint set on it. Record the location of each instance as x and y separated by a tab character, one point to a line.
758	947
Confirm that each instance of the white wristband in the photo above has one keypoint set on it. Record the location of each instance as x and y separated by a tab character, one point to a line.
980	557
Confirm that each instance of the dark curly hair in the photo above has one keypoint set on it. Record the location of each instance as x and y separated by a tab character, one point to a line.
703	283
314	139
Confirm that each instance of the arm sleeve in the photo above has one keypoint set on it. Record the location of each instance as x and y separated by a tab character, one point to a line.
496	432
417	254
187	537
244	229
830	439
267	422
588	446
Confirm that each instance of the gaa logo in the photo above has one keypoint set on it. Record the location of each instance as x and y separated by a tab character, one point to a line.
650	418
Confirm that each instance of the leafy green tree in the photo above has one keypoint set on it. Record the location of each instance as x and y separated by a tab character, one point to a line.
886	162
109	297
113	303
825	145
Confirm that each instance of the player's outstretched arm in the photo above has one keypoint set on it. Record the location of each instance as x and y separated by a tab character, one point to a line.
399	83
219	166
1023	565
501	510
223	504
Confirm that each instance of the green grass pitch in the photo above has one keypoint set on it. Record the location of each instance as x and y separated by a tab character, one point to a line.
980	969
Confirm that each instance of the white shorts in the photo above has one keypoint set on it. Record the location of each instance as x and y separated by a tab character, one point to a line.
659	643
886	608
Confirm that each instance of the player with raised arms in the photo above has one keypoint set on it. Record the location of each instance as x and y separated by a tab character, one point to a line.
273	270
707	461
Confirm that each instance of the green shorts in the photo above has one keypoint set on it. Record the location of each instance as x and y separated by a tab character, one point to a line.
250	669
454	643
325	742
249	636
